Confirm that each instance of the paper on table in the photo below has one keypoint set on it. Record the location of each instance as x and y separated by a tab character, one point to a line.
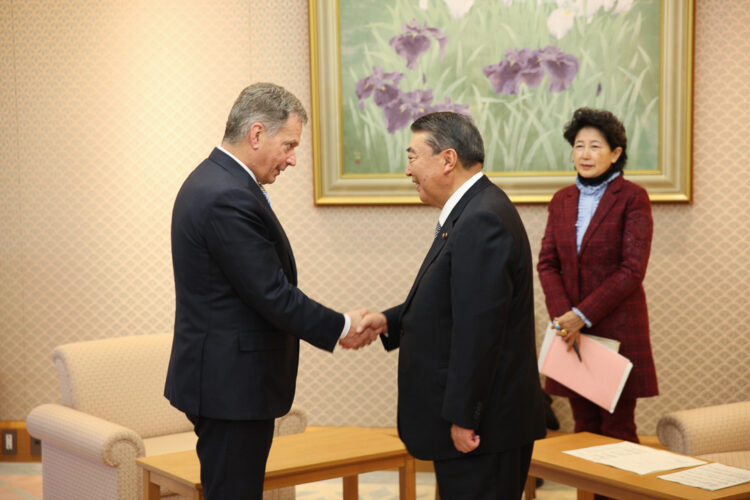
599	377
634	457
710	477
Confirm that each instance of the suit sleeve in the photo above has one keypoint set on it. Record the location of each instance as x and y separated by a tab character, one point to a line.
550	269
636	247
239	241
393	339
481	292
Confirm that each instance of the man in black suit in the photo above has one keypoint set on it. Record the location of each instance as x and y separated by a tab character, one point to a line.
239	314
469	396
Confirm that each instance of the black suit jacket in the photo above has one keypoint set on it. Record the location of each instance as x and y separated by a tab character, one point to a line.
239	314
466	334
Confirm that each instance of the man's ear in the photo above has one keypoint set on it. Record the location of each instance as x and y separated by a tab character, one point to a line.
254	136
450	159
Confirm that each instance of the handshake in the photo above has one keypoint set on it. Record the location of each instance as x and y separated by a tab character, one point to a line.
365	328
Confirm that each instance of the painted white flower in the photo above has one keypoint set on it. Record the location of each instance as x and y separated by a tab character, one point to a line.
458	8
622	6
560	21
423	4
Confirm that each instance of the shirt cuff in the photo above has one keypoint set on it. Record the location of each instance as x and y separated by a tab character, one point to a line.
347	325
580	315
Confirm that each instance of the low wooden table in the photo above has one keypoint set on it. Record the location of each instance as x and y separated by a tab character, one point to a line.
296	459
549	462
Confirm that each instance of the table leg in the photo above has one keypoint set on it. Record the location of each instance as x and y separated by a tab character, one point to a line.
351	487
151	491
530	488
585	495
407	480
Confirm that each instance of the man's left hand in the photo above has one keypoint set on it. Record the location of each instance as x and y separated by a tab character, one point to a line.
465	440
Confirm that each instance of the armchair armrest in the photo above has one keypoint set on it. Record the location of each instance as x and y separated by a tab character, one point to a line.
82	434
292	423
712	429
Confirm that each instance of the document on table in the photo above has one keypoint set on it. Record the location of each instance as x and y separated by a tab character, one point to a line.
599	376
634	457
710	477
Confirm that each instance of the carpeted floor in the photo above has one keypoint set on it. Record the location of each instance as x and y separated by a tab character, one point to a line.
20	481
23	481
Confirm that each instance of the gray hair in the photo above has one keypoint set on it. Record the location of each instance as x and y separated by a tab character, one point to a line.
448	130
266	103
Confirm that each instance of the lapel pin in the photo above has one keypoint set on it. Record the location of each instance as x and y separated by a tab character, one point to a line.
444	236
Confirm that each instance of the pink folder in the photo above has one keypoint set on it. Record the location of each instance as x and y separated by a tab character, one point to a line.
601	376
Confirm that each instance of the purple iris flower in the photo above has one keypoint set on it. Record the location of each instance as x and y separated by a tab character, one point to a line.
383	85
528	67
561	67
448	106
519	66
408	106
414	42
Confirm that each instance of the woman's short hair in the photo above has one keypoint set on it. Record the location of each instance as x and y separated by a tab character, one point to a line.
605	122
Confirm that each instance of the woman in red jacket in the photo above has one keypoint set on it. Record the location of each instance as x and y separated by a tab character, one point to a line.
592	262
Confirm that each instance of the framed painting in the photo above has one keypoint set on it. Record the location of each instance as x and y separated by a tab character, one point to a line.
519	68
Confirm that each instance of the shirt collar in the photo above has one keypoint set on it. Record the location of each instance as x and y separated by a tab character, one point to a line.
456	197
596	189
238	162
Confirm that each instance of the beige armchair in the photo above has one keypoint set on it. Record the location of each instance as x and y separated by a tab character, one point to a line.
718	433
113	411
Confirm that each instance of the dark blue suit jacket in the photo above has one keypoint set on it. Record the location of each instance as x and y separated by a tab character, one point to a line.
466	334
239	314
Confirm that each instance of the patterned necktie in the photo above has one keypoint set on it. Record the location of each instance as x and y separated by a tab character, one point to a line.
265	194
437	229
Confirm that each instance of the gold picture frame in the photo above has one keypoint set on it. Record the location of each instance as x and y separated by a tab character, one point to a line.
671	181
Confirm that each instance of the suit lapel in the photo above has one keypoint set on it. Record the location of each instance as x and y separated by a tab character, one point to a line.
255	189
605	204
230	165
570	217
440	241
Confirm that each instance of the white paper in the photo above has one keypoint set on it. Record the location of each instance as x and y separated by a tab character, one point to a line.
635	457
548	336
710	477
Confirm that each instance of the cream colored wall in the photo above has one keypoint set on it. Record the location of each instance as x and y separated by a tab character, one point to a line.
106	106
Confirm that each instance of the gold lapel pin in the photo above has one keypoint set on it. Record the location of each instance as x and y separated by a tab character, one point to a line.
444	236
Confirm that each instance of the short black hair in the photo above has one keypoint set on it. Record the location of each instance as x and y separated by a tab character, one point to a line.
448	130
605	122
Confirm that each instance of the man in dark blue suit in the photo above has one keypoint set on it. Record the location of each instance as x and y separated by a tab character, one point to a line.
239	314
469	396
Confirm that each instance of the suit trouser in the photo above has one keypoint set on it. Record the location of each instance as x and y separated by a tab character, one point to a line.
590	417
488	476
233	455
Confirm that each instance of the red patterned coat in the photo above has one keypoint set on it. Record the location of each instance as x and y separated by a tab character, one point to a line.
605	279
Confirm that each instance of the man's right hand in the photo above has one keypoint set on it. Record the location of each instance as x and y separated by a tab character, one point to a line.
356	337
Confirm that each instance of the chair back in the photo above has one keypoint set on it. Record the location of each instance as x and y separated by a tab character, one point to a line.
121	380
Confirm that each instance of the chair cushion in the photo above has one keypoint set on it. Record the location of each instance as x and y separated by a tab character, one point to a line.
739	459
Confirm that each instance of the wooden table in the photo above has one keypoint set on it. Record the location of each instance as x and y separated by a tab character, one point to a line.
549	462
296	459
